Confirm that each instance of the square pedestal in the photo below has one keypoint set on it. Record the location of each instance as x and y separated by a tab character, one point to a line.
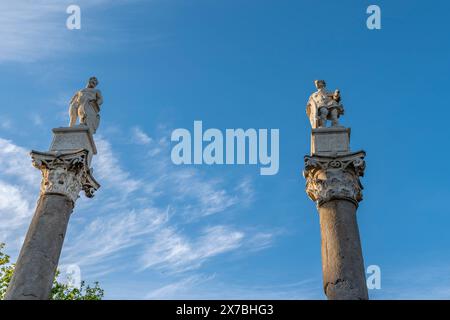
73	139
330	141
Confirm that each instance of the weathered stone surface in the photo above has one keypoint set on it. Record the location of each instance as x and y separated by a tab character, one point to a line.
65	173
333	184
342	261
333	178
331	141
85	105
323	105
73	139
39	256
332	174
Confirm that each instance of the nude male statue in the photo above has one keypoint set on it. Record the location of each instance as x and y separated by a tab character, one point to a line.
85	105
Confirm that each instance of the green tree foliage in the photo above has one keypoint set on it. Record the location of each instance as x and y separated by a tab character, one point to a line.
60	291
6	271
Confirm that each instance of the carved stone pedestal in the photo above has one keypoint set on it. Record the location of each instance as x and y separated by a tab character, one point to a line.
330	141
74	139
64	175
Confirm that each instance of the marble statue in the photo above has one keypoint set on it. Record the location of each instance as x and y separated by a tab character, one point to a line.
323	105
85	105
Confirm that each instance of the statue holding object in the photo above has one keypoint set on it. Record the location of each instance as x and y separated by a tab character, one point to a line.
323	105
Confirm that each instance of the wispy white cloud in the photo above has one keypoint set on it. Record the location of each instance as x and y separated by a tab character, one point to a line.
200	195
143	214
140	137
181	287
36	119
203	198
109	171
5	123
25	24
19	184
262	240
171	251
150	213
15	162
14	207
35	29
103	238
201	286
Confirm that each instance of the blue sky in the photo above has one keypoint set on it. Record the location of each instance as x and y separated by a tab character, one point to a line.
156	230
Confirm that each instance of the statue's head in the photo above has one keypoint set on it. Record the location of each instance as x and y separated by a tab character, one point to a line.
93	82
320	84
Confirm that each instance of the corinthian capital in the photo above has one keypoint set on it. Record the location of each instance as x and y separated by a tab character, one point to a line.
331	178
65	173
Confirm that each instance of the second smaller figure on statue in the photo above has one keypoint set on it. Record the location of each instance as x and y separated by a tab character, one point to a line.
85	105
323	105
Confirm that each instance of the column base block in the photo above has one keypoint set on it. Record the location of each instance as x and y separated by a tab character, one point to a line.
71	139
332	141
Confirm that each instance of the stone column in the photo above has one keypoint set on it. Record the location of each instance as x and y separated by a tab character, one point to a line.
38	259
64	175
332	175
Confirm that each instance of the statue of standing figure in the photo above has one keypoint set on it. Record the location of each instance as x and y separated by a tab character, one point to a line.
85	105
323	105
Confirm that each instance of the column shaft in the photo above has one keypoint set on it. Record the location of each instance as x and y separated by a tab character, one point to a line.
39	256
332	182
342	260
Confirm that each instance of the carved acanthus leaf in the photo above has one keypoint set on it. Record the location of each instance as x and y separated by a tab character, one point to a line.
65	173
331	178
